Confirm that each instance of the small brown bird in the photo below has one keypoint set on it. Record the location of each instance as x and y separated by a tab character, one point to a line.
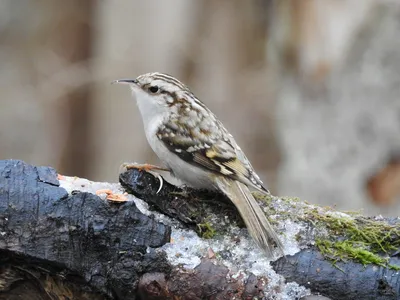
197	149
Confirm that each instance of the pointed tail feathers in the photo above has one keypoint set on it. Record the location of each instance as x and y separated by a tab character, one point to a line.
254	218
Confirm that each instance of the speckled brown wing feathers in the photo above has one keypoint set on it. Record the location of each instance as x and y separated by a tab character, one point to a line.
210	151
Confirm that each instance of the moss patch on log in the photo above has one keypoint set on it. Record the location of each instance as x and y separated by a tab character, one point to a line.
364	240
341	236
206	230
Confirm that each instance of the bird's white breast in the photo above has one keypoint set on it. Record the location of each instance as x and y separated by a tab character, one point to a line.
191	175
154	116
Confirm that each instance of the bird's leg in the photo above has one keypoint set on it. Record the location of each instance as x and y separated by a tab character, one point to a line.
145	167
141	167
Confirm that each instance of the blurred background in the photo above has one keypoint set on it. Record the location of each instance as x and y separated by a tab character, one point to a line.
310	89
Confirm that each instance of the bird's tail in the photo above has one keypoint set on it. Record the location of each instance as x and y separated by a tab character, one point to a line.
254	218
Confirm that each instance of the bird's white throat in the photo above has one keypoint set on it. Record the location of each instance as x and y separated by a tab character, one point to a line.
152	112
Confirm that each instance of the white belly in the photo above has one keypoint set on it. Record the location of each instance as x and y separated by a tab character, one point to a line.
187	173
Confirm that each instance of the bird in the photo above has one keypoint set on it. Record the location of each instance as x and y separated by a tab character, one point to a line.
197	149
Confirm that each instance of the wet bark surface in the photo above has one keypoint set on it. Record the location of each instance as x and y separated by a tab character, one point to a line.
344	280
78	246
81	238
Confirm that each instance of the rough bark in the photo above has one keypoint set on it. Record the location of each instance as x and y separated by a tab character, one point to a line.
348	280
55	244
81	238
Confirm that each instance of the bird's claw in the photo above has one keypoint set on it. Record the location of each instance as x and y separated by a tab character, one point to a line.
145	167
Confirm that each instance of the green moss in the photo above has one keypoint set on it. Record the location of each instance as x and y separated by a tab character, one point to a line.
356	238
267	198
291	199
298	237
206	230
346	250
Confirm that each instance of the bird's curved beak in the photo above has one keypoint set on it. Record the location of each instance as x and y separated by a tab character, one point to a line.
125	81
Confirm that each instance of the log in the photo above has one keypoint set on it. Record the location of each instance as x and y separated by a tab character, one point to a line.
59	238
86	241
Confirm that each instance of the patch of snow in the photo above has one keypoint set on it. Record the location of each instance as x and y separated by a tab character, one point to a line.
289	241
83	185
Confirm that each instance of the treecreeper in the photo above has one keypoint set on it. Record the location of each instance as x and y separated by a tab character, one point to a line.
197	149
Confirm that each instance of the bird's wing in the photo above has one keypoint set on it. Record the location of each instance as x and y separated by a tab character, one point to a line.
214	151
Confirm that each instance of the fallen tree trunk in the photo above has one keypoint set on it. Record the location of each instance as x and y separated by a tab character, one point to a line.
59	239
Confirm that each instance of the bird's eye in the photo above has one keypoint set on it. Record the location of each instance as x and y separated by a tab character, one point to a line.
153	89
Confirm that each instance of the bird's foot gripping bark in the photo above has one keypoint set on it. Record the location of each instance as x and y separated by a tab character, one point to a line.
144	167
